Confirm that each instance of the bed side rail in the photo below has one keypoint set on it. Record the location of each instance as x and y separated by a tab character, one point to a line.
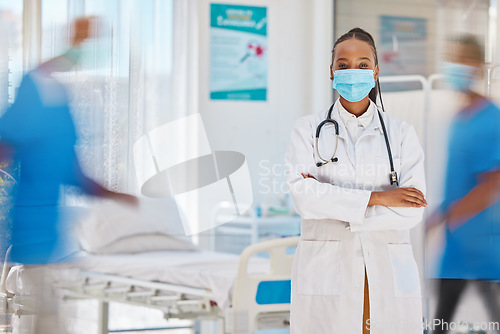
249	312
5	300
5	271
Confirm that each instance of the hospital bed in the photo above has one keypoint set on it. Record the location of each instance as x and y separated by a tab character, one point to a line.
243	293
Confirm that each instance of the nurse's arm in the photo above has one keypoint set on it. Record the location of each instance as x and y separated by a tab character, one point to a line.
6	151
313	199
480	198
93	188
82	28
385	215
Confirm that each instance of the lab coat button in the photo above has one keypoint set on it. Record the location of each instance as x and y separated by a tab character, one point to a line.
359	252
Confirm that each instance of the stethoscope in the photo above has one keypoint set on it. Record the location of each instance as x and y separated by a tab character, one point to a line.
393	177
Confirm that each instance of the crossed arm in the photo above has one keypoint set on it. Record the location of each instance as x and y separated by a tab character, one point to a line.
395	209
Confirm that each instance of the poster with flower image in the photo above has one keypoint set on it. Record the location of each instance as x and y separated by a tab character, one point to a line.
238	53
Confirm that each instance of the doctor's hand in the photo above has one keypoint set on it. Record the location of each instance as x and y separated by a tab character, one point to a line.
399	197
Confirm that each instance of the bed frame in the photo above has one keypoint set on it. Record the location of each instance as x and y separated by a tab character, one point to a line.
247	314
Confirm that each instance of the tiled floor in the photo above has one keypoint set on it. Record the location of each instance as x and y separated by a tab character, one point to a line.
470	309
81	317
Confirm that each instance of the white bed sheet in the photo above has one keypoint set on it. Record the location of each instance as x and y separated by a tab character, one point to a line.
210	270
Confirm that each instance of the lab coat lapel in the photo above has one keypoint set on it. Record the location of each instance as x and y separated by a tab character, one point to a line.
344	136
375	126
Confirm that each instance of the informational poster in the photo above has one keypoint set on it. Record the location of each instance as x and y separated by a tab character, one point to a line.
238	53
403	47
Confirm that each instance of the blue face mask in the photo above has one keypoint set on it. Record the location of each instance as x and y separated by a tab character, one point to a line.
459	76
353	84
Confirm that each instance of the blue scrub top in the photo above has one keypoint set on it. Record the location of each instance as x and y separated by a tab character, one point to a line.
39	127
473	250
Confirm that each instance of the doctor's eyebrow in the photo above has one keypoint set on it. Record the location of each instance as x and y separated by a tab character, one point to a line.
361	58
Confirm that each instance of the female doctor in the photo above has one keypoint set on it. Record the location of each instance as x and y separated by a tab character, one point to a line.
358	184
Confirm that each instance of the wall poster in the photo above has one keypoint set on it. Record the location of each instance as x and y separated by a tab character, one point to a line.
403	47
238	53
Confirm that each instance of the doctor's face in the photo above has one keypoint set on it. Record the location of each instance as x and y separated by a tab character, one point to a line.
353	54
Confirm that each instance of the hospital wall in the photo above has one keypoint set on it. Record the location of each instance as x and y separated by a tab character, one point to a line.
301	34
366	14
443	20
300	39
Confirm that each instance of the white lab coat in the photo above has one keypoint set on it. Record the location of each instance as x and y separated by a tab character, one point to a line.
341	235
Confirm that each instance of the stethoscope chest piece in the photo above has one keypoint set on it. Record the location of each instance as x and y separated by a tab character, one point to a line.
394	178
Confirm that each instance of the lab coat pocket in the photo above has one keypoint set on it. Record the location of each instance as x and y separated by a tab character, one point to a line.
404	270
318	271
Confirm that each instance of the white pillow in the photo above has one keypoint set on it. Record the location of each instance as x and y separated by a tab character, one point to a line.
110	221
146	243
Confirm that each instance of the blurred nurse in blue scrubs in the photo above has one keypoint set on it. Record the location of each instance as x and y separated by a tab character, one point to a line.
471	207
39	132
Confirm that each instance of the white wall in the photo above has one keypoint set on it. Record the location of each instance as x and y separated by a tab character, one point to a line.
300	39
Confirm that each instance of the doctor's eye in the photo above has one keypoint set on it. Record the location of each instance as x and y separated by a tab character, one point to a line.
363	65
342	65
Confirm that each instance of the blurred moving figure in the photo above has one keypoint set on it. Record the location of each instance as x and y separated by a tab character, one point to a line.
39	133
470	208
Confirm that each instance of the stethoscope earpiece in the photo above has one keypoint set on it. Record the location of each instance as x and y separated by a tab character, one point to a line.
319	164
